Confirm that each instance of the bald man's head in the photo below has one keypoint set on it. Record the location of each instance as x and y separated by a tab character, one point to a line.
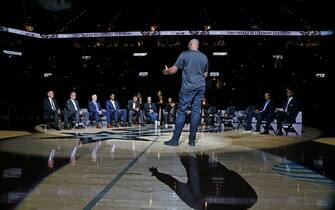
193	44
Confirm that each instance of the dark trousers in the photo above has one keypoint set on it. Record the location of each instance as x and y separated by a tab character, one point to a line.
187	98
79	118
167	117
153	116
52	119
260	116
133	113
115	115
95	116
283	117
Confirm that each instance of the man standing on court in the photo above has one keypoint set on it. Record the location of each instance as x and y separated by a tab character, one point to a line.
194	66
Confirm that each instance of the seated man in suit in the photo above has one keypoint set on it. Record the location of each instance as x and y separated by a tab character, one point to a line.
209	116
51	111
266	112
95	110
74	111
288	113
114	112
134	109
151	110
169	113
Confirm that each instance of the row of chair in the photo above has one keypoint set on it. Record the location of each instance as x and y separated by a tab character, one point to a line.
231	119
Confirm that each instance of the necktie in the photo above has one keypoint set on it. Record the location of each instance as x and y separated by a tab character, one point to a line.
265	105
96	106
74	104
288	102
52	105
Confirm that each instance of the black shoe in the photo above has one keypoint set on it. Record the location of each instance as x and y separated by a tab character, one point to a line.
116	125
265	132
279	133
58	128
78	127
171	143
191	143
258	130
129	125
154	171
247	129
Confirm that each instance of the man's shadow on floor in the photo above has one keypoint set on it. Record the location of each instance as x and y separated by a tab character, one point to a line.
210	185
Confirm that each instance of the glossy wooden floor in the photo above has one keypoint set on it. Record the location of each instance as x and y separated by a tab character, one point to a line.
109	169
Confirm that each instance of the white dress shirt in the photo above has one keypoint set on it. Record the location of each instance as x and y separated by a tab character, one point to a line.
288	102
53	107
74	104
113	103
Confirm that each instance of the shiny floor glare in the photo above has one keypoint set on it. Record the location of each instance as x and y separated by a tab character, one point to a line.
131	168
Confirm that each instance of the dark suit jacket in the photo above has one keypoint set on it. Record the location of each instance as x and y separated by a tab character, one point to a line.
47	109
293	108
130	105
270	108
147	107
47	105
110	107
70	107
91	106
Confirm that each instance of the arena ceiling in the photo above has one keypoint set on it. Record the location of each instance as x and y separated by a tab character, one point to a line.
67	16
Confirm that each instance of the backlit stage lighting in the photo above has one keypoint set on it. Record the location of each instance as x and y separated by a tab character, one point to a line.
153	28
220	53
10	52
320	75
214	74
140	54
143	74
207	27
47	74
278	57
86	57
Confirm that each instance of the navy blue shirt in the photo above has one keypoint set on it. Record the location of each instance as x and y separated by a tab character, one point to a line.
193	64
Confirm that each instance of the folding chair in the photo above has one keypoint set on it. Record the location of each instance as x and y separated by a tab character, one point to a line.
242	120
228	118
288	127
209	117
270	128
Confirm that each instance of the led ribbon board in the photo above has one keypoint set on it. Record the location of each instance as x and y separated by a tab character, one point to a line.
166	33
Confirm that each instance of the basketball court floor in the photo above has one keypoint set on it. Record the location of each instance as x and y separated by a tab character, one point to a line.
131	168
